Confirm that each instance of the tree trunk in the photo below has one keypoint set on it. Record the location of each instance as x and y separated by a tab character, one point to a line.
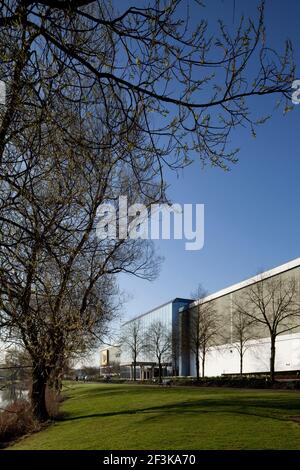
38	394
272	360
134	370
203	365
55	380
57	384
159	372
197	367
241	363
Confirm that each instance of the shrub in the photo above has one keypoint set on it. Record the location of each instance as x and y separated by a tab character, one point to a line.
16	420
262	382
53	400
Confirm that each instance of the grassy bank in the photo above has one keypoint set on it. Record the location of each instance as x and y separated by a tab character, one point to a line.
136	417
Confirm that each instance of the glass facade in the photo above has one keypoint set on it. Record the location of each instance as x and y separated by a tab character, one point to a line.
167	315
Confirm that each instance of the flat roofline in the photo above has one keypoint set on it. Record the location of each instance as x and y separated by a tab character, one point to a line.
177	299
252	280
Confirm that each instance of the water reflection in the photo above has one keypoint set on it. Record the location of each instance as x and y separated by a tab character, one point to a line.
11	392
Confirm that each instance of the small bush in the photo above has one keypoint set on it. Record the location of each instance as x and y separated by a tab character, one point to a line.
53	400
261	382
16	420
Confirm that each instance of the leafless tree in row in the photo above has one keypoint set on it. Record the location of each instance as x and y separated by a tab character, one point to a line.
203	329
243	332
272	304
158	344
133	342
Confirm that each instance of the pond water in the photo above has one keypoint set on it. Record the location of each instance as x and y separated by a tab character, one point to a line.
11	392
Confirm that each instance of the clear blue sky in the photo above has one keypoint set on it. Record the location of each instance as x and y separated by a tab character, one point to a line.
251	213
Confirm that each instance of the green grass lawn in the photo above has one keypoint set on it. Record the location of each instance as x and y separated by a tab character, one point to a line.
144	417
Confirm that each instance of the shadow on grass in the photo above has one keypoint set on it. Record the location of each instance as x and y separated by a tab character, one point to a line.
275	409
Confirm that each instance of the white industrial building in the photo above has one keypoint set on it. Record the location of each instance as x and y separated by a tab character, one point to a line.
222	358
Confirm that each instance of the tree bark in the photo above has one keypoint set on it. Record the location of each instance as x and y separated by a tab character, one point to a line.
38	394
197	367
241	362
272	360
134	369
203	365
159	372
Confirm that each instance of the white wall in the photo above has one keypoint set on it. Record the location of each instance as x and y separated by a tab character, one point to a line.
256	359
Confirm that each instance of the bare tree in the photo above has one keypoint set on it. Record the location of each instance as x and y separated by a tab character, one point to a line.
132	341
18	361
203	328
272	303
89	372
57	277
114	368
158	341
242	333
191	88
